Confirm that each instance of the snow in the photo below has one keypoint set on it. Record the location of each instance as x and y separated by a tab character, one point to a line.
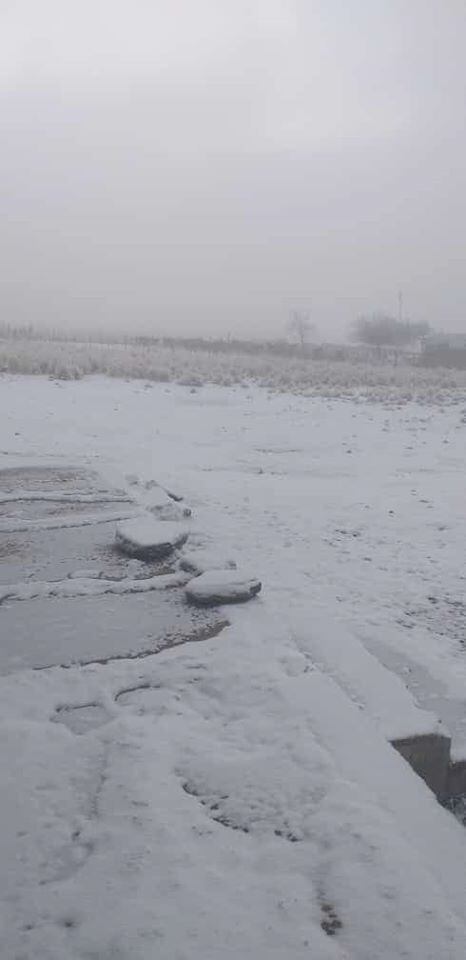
55	523
230	798
146	538
146	815
222	586
155	499
90	586
201	560
59	497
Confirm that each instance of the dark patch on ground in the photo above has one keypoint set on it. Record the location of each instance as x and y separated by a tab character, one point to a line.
330	922
457	806
177	497
288	835
131	567
443	615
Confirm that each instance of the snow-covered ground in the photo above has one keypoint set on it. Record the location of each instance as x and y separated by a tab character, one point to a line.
238	798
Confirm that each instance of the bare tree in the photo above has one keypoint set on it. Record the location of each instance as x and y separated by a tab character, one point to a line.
301	327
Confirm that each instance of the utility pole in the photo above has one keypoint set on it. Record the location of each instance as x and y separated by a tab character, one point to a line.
400	306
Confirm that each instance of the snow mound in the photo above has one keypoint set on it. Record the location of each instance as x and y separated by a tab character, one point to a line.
222	586
149	539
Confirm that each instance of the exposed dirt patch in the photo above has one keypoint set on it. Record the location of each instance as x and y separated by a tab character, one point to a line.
131	567
330	922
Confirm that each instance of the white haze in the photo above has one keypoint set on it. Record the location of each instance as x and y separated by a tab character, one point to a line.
204	166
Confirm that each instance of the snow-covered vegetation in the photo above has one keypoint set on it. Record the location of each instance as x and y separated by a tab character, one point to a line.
306	376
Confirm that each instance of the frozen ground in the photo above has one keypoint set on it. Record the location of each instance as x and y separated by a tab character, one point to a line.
237	798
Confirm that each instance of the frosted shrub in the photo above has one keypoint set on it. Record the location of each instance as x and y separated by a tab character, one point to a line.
350	377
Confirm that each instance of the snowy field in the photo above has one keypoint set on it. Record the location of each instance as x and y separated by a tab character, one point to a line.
238	798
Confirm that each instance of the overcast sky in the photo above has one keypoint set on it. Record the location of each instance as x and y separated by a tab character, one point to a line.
205	166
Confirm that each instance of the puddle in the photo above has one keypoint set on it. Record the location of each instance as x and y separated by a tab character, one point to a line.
61	632
51	631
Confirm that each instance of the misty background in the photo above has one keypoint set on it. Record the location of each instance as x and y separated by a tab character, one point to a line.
206	166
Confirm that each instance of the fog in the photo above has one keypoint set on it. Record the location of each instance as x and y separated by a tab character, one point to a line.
206	166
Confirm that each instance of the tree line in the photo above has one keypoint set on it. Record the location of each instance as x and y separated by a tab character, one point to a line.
383	330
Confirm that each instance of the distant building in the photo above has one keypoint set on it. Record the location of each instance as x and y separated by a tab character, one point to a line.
444	350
